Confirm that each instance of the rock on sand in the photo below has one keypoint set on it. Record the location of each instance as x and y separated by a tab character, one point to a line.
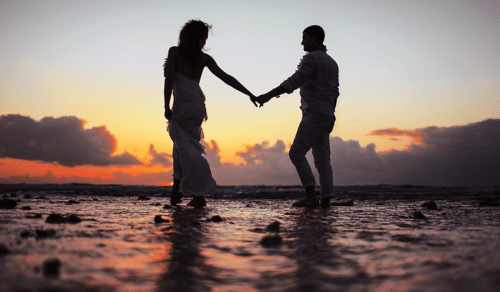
274	227
419	215
4	250
431	205
51	268
159	219
59	219
271	240
7	204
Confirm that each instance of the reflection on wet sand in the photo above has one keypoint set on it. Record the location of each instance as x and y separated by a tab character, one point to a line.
319	264
185	266
234	244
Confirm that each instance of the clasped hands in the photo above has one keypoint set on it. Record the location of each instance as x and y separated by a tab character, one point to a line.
261	99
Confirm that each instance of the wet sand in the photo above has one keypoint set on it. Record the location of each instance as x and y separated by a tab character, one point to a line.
380	243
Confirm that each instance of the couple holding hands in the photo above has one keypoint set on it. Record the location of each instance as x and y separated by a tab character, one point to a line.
317	78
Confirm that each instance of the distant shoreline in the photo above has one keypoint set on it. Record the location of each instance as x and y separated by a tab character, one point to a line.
357	192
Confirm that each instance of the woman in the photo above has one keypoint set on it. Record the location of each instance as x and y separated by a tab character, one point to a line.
183	69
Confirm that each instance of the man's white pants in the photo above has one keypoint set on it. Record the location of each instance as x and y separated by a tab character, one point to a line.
314	133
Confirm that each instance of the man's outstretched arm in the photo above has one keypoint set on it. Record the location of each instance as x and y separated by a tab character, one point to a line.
262	99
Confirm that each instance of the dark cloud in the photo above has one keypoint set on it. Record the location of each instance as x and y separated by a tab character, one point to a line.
62	140
448	156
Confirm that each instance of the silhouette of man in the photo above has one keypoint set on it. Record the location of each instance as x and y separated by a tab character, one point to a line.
317	77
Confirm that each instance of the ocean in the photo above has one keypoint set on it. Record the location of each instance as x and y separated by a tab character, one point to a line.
78	237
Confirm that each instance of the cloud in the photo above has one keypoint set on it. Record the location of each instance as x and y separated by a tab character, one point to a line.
265	164
415	135
464	155
212	153
118	178
259	153
62	140
161	158
442	156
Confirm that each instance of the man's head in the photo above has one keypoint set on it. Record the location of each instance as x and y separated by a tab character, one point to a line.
312	37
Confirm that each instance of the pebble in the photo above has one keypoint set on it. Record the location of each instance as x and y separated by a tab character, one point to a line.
431	205
419	215
73	219
274	227
159	219
4	250
51	268
55	219
271	240
216	218
40	233
72	202
143	198
26	233
26	208
59	219
7	204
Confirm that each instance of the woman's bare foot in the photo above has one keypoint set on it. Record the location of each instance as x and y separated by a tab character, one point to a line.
176	196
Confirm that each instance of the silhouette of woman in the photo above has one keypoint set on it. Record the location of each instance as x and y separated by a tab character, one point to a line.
183	69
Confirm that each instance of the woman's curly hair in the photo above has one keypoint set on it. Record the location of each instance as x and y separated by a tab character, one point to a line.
189	39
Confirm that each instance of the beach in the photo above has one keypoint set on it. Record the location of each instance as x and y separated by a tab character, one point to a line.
249	238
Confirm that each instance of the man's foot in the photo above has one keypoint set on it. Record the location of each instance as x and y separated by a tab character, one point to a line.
197	202
308	203
325	202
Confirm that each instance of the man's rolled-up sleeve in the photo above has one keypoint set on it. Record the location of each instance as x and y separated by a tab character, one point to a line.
301	76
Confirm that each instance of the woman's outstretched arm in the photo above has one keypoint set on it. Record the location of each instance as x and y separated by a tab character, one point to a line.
228	79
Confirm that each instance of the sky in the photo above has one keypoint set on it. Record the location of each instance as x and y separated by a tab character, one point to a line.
81	96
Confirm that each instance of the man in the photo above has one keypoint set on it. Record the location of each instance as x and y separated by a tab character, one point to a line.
317	77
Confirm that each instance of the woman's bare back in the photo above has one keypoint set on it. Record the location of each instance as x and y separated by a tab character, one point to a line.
186	69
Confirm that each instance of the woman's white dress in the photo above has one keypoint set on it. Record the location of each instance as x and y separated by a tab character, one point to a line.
189	111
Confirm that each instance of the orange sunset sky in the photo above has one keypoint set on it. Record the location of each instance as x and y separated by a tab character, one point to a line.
81	96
